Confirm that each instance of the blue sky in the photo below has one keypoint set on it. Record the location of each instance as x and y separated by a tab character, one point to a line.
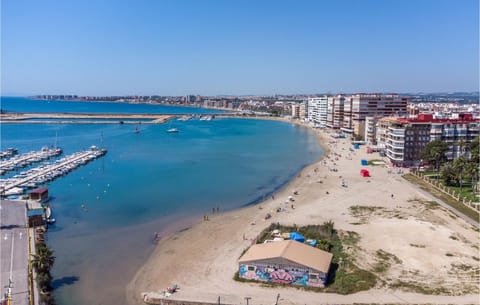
208	47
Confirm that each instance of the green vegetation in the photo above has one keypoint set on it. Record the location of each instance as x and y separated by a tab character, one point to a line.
362	210
418	287
42	261
344	277
463	172
372	162
442	196
434	152
384	261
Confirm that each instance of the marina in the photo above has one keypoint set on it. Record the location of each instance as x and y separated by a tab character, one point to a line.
26	159
8	153
47	172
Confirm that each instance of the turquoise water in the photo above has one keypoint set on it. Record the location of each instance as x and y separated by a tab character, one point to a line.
107	210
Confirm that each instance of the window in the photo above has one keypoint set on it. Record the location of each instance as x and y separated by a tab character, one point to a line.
251	268
313	276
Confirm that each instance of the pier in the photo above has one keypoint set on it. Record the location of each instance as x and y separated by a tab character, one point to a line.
28	158
98	118
81	118
49	172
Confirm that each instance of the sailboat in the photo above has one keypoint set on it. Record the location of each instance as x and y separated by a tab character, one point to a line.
136	130
171	129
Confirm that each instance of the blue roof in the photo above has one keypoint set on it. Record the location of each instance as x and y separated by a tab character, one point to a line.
35	212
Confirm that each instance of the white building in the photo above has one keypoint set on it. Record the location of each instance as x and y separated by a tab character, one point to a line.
317	110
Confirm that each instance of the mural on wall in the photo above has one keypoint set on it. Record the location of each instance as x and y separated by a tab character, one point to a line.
284	276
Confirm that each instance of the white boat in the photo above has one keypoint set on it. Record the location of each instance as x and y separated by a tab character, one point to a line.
14	191
172	130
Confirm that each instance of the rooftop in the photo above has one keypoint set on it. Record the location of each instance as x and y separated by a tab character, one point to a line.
293	251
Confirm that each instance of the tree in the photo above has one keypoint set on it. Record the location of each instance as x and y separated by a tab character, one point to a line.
448	173
474	148
434	152
471	171
43	259
459	165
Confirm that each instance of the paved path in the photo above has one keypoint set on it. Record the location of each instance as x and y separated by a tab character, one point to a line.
14	251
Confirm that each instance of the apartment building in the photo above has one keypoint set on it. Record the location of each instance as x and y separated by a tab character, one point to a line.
405	138
369	105
349	112
317	110
335	111
298	110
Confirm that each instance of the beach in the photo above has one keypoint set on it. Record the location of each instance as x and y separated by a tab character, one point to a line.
434	247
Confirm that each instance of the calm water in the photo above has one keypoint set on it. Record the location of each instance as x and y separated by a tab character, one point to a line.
151	181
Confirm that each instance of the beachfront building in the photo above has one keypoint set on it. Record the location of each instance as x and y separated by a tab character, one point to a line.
349	112
405	138
286	262
371	130
362	105
317	110
335	111
298	110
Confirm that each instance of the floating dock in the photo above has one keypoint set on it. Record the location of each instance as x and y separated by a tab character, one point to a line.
48	172
26	159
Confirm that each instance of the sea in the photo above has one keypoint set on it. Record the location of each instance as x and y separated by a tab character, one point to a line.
108	210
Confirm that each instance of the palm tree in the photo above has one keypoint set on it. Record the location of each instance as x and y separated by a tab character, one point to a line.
43	259
471	171
448	173
459	165
434	152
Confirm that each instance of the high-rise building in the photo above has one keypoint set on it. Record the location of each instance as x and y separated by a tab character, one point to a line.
335	112
379	105
317	110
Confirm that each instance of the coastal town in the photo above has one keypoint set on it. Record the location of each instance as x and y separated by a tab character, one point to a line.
316	232
312	152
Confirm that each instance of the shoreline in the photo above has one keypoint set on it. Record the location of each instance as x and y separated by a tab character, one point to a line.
284	189
191	258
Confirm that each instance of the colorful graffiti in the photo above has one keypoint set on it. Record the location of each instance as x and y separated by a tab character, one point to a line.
284	276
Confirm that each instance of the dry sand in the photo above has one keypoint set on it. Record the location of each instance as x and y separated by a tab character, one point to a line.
434	249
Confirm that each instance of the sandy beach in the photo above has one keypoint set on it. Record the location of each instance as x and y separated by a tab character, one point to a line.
435	248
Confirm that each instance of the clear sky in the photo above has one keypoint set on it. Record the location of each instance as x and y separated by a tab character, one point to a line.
207	47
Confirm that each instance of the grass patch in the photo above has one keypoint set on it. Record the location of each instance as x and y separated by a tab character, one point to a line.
417	246
344	276
372	162
363	210
417	287
384	261
456	205
453	237
449	254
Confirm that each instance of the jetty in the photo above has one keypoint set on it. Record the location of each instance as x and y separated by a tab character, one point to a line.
49	172
28	158
82	118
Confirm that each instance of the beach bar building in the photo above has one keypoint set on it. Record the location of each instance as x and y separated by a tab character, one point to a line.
40	194
287	262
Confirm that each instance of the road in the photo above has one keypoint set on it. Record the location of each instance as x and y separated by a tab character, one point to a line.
14	251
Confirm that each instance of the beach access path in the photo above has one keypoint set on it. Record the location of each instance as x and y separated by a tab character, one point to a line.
429	241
